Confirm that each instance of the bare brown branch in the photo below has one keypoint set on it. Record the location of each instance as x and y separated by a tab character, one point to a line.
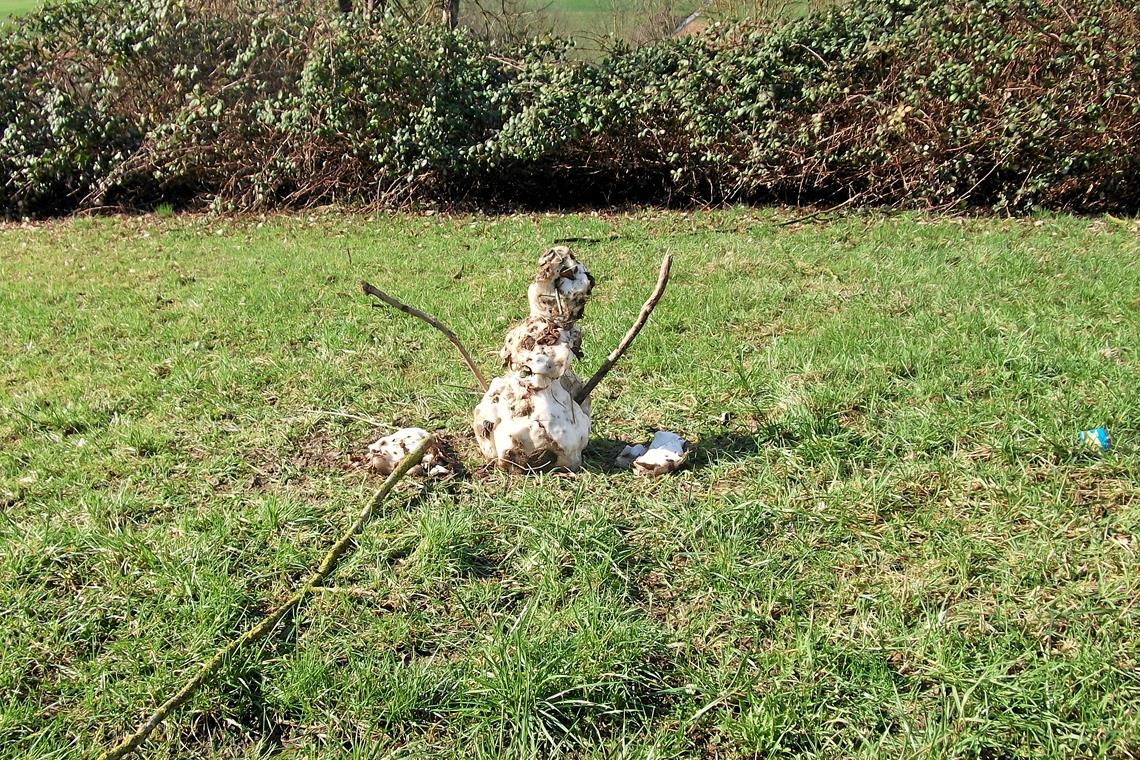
372	290
131	744
642	318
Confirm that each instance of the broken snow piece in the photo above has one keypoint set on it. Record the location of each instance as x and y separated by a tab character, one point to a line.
386	453
667	452
628	454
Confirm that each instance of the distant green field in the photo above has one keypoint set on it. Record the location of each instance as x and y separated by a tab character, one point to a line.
639	20
585	6
16	7
578	18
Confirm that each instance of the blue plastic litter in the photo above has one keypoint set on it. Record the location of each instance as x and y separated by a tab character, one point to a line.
1096	438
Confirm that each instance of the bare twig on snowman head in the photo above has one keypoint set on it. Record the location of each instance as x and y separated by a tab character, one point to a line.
642	318
374	291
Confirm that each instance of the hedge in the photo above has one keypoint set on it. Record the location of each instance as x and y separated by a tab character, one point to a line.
999	104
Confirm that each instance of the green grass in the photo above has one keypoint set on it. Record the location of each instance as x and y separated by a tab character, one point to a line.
885	545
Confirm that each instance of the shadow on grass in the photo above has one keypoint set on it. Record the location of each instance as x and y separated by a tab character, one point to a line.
825	439
711	448
600	455
716	447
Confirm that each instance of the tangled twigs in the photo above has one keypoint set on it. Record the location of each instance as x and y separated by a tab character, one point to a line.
372	290
642	318
214	664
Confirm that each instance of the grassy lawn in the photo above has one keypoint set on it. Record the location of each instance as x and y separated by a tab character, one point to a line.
886	543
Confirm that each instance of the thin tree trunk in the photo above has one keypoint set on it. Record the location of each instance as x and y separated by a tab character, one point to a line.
450	13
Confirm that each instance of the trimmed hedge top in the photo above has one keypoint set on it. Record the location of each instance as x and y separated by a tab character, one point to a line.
1004	104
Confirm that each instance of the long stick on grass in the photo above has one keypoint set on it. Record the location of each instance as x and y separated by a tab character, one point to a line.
372	290
642	318
214	664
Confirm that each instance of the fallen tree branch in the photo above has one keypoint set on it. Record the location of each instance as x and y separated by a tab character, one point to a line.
351	591
374	291
214	664
642	318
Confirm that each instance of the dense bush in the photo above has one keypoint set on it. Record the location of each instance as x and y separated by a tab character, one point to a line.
1007	103
135	101
1000	103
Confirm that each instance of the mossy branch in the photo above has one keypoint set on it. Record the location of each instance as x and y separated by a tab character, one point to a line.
372	290
214	664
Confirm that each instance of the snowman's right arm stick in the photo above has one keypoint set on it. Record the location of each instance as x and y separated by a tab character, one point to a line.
642	318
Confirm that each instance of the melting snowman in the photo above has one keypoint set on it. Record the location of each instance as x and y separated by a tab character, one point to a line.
529	418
